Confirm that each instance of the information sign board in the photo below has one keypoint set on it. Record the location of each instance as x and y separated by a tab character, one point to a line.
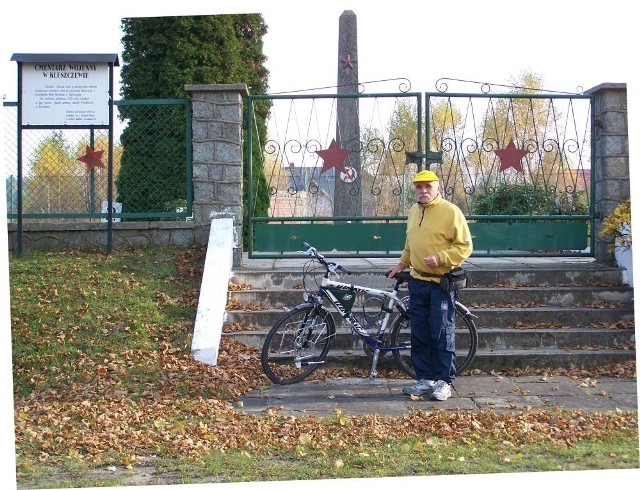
65	94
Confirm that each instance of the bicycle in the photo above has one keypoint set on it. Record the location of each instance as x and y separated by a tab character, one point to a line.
300	340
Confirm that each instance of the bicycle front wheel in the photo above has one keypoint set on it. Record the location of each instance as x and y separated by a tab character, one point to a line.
466	342
297	344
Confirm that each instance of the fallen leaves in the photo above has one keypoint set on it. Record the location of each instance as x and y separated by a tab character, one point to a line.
628	345
238	327
617	325
511	304
114	383
188	409
234	304
603	304
618	370
238	287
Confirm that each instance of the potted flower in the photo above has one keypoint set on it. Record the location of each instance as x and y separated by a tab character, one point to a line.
618	225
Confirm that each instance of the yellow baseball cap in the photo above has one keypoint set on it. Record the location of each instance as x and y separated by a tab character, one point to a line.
426	176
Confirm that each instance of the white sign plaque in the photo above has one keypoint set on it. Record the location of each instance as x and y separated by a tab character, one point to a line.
116	208
65	94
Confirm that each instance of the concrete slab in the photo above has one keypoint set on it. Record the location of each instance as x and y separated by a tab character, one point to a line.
508	403
358	396
591	403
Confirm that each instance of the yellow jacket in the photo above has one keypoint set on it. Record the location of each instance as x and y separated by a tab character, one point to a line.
438	227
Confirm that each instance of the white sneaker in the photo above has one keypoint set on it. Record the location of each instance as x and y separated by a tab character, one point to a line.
422	387
441	391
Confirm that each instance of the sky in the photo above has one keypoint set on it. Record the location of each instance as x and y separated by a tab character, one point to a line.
569	43
573	44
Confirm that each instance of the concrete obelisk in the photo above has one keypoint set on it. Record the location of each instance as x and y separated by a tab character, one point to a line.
348	191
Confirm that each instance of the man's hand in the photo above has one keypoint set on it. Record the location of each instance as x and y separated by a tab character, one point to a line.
395	269
432	260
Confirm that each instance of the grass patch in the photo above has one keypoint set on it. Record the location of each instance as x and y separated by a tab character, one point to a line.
408	457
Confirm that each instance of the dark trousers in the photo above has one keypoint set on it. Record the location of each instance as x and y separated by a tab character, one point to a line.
433	346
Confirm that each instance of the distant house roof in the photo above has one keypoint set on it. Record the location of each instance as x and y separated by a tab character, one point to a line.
581	177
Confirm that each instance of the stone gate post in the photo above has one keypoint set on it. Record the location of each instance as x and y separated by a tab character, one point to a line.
611	164
217	158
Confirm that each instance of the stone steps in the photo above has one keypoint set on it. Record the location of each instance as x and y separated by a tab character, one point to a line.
542	315
566	296
486	317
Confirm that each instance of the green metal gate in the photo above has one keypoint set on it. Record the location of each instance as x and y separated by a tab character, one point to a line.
519	165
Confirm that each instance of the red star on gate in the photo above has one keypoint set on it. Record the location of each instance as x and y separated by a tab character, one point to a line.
92	158
333	157
510	157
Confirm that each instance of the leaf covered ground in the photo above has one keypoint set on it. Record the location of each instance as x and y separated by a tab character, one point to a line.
103	375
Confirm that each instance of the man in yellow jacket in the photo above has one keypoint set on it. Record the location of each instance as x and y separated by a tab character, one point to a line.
438	240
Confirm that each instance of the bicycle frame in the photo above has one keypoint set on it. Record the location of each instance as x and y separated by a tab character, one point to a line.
289	339
346	312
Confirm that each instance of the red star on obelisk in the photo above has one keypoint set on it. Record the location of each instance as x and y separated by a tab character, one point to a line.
348	62
333	157
510	157
92	158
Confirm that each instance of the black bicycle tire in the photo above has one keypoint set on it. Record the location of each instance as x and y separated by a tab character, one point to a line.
466	318
396	328
286	319
473	341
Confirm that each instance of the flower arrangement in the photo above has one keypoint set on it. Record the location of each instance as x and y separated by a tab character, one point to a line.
618	225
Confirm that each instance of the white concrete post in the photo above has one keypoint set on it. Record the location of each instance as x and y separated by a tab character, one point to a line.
212	303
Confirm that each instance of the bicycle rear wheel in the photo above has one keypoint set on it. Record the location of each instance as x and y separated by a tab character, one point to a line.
401	337
297	344
466	342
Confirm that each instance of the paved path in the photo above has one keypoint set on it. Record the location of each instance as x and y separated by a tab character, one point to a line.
355	396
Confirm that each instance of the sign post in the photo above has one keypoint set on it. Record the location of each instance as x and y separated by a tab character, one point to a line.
66	91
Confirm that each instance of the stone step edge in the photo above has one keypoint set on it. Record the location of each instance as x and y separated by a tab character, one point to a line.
479	328
359	355
474	309
496	360
560	287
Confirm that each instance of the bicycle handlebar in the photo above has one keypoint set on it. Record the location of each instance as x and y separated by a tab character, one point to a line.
403	276
400	277
331	266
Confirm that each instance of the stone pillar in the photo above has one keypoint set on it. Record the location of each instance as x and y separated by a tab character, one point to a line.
611	165
217	144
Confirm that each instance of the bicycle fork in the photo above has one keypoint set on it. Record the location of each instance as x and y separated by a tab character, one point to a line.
306	337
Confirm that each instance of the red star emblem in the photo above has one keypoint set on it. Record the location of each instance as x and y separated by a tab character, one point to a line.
333	157
510	157
92	159
348	62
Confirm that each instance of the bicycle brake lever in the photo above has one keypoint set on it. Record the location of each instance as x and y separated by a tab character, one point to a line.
333	267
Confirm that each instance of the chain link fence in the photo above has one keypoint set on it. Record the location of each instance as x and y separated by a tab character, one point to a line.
65	171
